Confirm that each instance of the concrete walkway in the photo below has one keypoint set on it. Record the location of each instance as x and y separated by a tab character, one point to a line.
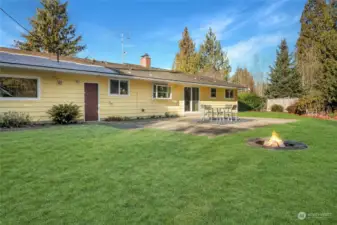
193	125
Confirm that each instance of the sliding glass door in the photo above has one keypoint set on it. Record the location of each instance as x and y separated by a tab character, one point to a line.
191	99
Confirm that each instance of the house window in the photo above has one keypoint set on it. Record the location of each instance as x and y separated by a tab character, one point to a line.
161	91
12	87
119	87
229	94
213	92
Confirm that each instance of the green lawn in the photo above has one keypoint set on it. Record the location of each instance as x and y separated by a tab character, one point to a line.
92	174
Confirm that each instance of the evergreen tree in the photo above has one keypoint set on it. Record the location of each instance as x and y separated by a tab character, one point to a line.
327	78
187	59
284	81
317	48
51	32
212	58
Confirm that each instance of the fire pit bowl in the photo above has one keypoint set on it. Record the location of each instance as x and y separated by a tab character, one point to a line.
288	145
276	143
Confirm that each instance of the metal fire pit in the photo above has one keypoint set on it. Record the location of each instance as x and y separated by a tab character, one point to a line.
289	145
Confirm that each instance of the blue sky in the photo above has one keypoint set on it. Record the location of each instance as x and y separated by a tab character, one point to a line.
249	30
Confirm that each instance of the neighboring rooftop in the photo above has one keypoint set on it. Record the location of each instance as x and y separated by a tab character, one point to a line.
25	59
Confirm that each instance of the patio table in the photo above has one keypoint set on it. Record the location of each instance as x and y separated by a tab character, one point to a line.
221	112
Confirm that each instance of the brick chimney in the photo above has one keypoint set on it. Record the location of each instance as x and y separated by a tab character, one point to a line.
145	61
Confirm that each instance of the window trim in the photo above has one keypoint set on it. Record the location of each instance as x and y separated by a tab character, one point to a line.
119	87
158	84
22	98
210	94
233	94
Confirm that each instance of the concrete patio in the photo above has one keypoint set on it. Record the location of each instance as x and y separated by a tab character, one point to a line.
193	125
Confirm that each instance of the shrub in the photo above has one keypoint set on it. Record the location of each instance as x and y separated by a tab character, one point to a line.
174	115
113	118
295	109
14	119
64	113
277	108
167	115
250	101
117	118
311	104
291	108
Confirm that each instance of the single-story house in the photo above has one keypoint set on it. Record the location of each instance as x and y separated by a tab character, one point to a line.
33	82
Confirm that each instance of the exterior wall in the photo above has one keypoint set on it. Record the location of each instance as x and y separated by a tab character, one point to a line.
72	90
220	100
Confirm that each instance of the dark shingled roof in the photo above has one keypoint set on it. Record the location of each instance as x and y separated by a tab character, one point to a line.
38	61
176	77
19	58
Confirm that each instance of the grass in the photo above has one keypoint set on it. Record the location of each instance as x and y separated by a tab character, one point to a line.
91	174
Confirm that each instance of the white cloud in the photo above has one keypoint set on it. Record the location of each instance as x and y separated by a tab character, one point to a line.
243	52
6	39
272	7
9	31
244	49
19	29
224	22
218	25
279	20
273	20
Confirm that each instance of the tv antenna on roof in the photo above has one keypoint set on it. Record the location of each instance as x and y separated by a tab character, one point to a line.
123	39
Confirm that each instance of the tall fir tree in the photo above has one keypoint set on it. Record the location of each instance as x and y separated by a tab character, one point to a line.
284	81
213	60
327	78
187	59
51	32
317	49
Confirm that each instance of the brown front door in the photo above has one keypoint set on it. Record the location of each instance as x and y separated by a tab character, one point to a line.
91	101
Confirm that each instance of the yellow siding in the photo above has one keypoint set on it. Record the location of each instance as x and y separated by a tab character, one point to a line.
72	90
220	100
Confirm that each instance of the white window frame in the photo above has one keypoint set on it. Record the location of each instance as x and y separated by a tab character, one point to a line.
23	98
229	90
163	85
210	94
119	87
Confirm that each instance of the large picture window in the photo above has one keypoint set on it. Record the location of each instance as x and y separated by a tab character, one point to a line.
19	87
161	91
119	87
229	94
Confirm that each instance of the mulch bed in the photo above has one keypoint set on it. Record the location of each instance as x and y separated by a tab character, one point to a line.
36	126
321	117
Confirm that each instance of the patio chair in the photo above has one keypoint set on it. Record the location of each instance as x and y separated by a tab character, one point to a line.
206	112
228	112
220	115
234	113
